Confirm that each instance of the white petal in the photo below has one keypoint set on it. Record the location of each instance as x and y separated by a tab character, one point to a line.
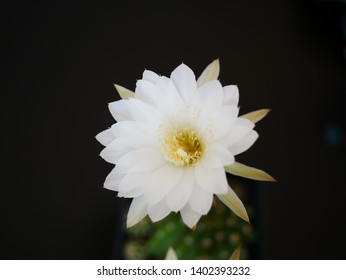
115	150
133	185
161	181
189	216
168	99
200	200
217	155
120	110
159	211
150	76
211	180
113	180
210	160
154	184
185	81
222	120
135	134
139	160
146	92
238	130
105	137
209	97
144	112
211	72
137	211
245	143
231	95
180	194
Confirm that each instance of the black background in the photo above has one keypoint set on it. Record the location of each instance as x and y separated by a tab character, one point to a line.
58	65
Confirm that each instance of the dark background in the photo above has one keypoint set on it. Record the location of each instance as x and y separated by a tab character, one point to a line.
58	65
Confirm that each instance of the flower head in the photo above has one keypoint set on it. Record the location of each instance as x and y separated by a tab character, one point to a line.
172	142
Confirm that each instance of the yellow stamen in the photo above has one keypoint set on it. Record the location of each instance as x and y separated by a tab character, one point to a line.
182	147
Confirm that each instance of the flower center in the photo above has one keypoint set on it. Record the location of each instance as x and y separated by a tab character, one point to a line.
182	147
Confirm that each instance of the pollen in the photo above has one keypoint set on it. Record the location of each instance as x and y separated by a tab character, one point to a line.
182	147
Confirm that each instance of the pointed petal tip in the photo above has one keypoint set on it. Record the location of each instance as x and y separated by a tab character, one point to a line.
242	170
193	228
270	178
130	224
171	254
267	111
211	72
246	218
124	92
215	62
232	201
236	253
257	115
137	211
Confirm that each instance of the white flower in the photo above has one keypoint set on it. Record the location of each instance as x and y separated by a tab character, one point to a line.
172	142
